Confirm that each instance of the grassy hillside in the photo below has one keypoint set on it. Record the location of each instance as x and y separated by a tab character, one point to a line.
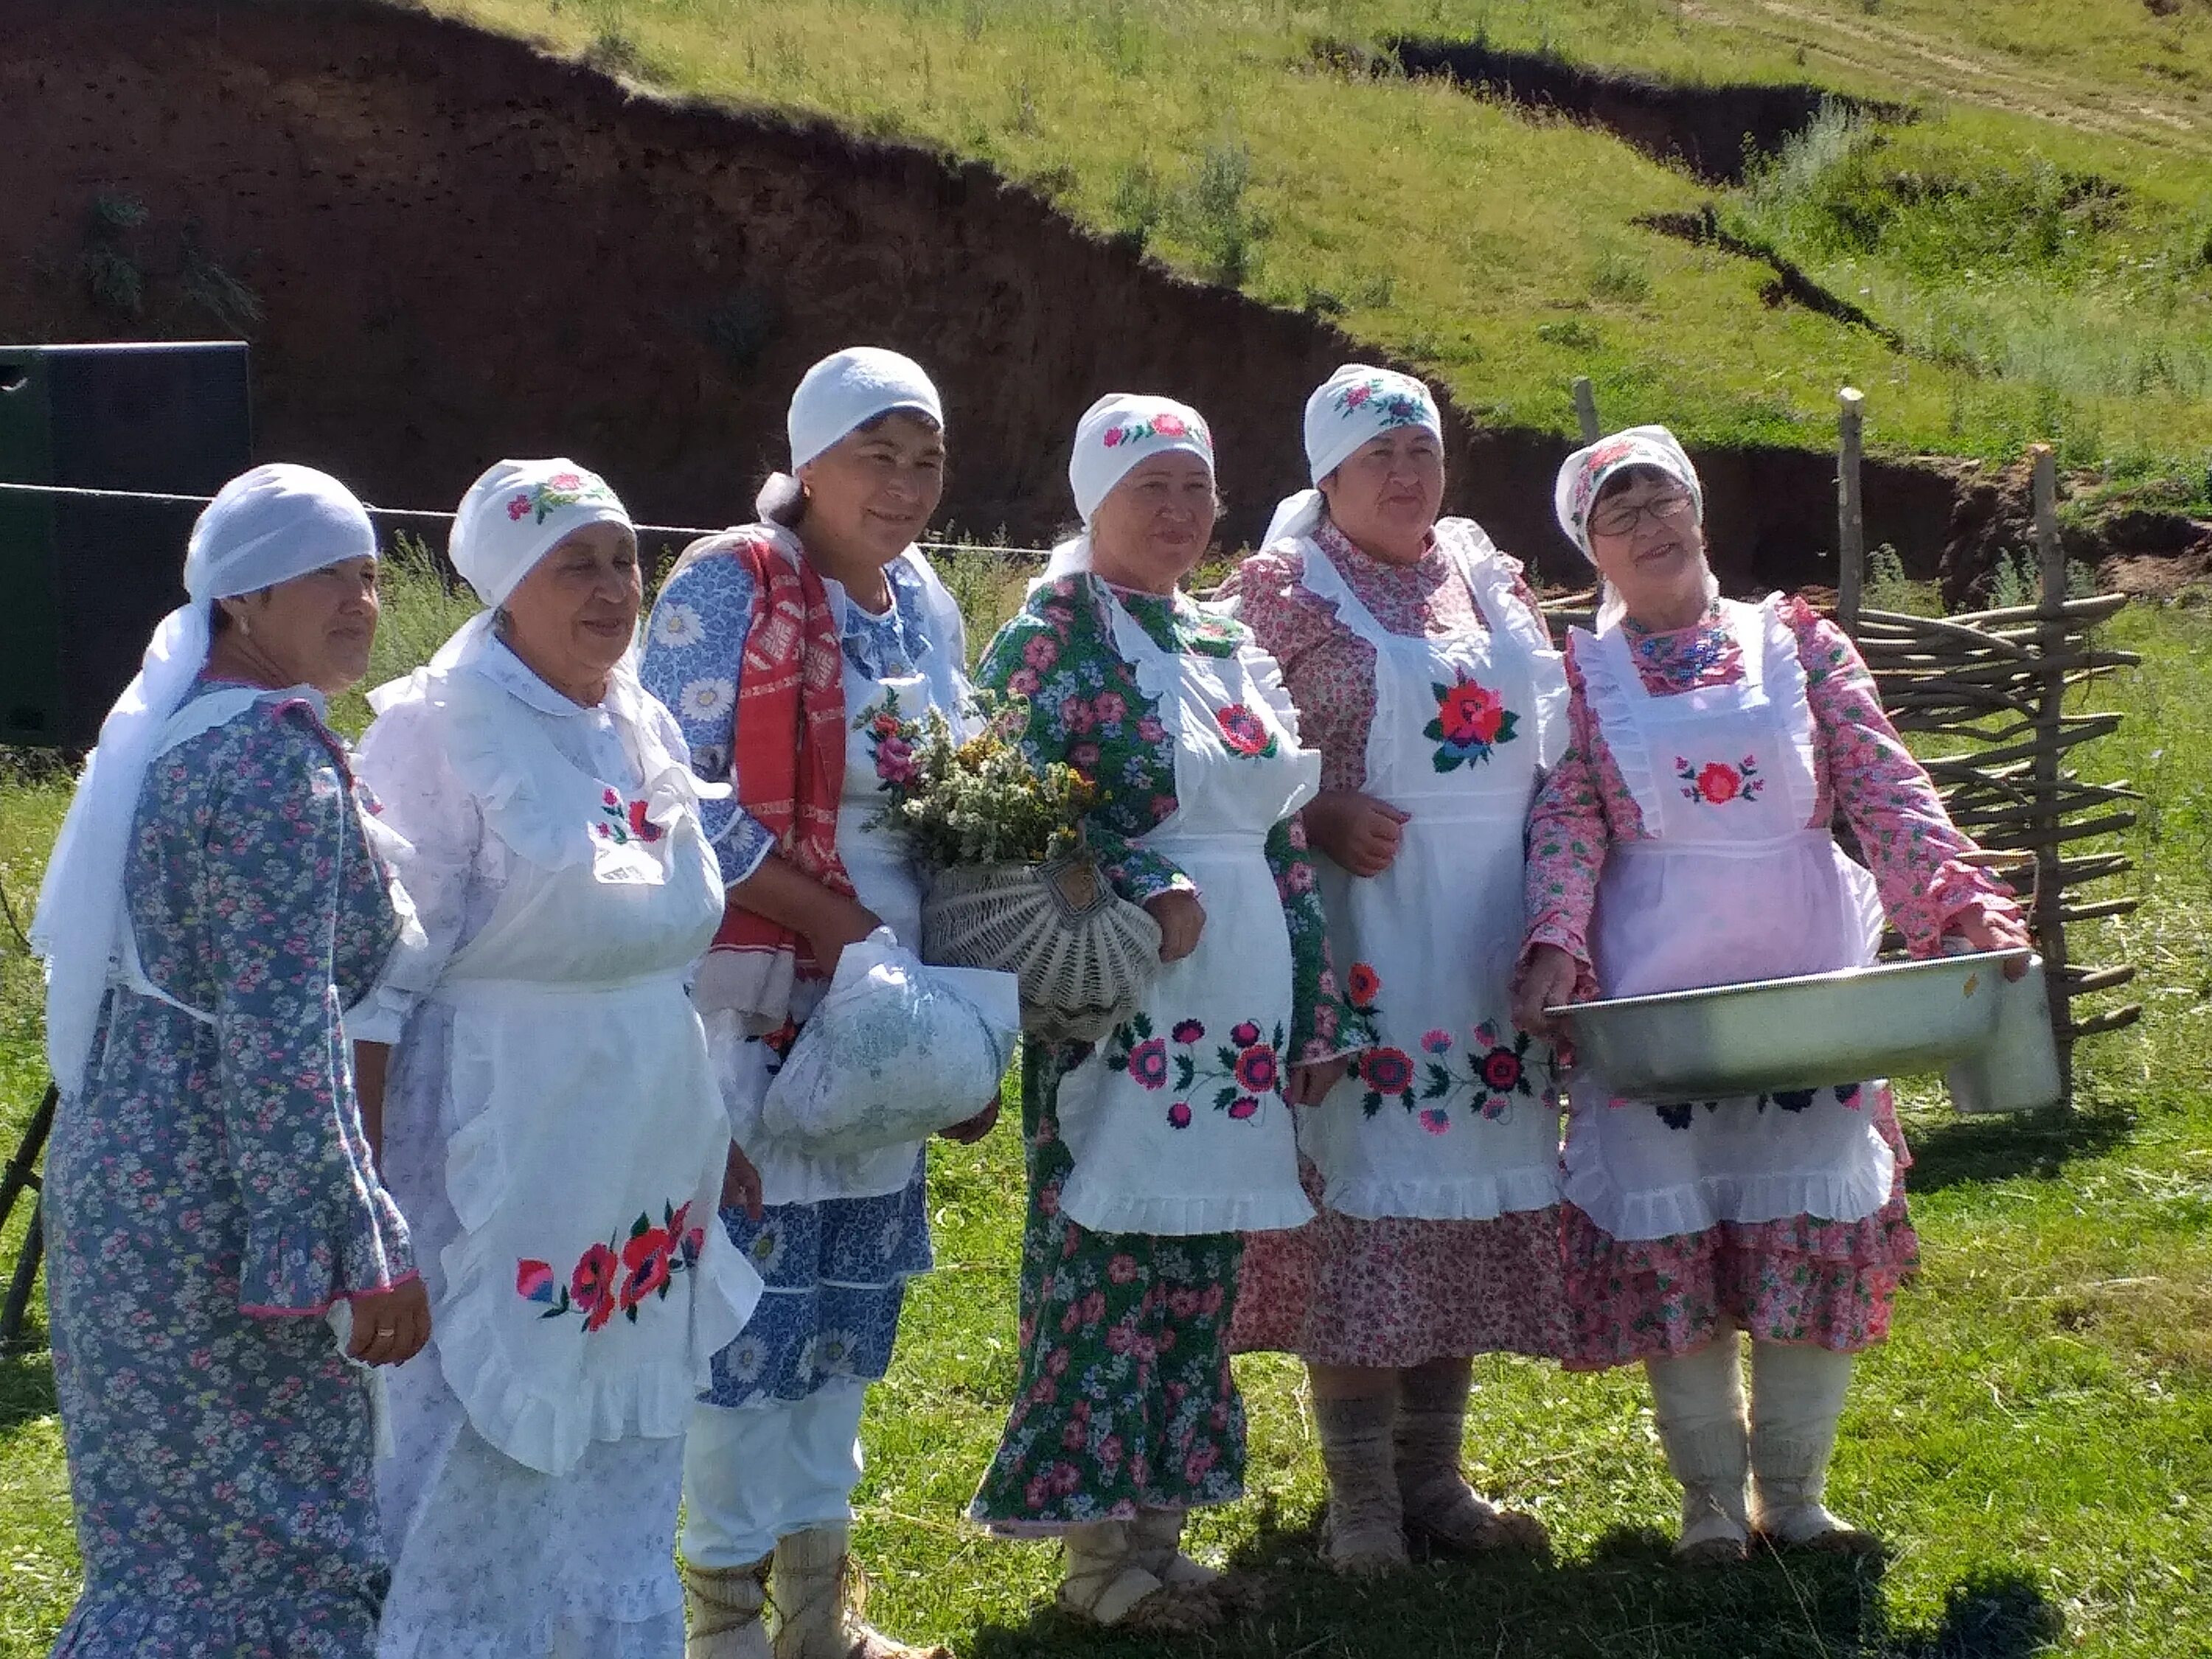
2039	240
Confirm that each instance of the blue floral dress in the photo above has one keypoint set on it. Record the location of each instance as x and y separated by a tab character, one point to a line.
834	1269
209	1194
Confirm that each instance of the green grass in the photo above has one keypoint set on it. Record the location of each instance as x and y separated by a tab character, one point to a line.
1502	253
2035	1442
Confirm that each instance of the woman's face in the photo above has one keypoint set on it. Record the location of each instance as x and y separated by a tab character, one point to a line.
1646	542
1385	495
316	630
1155	524
573	616
874	490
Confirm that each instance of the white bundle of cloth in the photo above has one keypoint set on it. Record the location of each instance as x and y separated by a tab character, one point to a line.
896	1051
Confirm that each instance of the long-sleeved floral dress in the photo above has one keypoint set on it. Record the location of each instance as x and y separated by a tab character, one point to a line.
1800	1279
1125	1398
1393	1290
210	1194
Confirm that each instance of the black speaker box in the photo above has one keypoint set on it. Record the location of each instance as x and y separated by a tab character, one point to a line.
83	580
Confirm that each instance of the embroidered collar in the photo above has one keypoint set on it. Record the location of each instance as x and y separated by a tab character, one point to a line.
1685	658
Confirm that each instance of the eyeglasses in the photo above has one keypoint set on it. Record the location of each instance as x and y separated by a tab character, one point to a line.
1621	518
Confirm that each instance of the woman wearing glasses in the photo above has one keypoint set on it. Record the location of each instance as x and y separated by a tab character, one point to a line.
1683	841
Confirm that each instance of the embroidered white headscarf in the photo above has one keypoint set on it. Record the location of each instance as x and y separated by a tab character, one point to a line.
1121	429
837	397
264	527
1354	406
516	512
1583	473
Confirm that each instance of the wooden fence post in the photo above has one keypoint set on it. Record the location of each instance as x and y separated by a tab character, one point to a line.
2050	714
1851	510
1586	410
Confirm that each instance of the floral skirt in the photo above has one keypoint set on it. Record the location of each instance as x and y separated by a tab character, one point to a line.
1397	1292
1125	1400
834	1275
1828	1284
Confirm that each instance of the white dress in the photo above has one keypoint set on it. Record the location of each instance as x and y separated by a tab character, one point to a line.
551	1081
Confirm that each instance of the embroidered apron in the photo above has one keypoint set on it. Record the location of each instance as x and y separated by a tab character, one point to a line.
1734	887
884	880
587	1289
1175	1122
1453	1115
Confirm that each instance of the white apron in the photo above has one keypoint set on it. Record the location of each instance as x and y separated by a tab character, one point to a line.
588	1287
1176	1122
1453	1114
1733	888
884	880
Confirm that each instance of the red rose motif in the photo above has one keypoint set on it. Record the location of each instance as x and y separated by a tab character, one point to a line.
1357	396
1362	986
1169	426
519	506
1179	1115
1242	729
1387	1071
1718	783
1256	1070
1501	1069
1113	436
592	1286
647	1257
1241	1109
1472	714
1244	1034
1148	1064
565	481
1188	1031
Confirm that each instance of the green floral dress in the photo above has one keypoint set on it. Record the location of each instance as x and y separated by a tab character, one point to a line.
1126	1401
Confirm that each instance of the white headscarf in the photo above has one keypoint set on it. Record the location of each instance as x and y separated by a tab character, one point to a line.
837	397
1353	407
1115	433
517	513
264	527
1583	473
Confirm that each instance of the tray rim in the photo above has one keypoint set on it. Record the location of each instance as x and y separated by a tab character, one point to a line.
1710	992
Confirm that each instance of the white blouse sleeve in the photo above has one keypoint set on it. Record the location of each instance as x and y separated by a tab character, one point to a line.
432	832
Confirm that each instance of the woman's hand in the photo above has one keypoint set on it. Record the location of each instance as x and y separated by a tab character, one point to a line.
850	924
741	1184
1994	931
1359	832
1547	980
968	1131
390	1327
1181	919
1310	1080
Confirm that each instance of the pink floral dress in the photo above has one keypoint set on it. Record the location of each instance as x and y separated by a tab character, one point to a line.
1391	1290
1798	1278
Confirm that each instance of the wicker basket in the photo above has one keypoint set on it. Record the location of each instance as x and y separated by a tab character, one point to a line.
1083	955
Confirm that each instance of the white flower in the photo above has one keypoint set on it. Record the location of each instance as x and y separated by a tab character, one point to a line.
766	1250
705	699
743	1360
835	1352
678	624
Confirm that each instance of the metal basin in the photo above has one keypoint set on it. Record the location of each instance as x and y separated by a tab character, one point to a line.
1892	1020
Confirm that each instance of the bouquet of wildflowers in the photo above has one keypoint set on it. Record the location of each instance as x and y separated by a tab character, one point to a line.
977	800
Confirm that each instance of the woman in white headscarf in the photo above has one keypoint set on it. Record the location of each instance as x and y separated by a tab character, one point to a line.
790	648
550	1124
212	907
1153	1153
1424	673
1684	841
